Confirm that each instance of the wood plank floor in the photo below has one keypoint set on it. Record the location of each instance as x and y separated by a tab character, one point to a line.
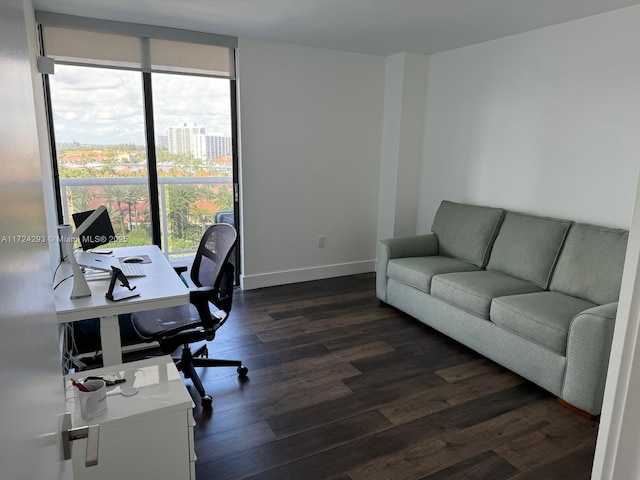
341	388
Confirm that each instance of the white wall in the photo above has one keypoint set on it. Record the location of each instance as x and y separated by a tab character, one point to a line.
402	140
545	122
310	139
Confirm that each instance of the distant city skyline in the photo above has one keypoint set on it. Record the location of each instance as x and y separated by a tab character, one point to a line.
105	106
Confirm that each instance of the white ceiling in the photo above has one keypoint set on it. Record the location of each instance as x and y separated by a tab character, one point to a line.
381	27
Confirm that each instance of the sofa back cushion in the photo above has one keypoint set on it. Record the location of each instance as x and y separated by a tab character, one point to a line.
528	247
591	262
466	232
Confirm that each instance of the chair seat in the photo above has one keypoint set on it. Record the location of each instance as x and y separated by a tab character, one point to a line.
152	324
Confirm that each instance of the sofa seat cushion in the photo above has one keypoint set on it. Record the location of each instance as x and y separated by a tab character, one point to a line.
473	291
417	272
543	318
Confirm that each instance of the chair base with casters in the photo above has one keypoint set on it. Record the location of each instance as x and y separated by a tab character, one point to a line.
190	360
210	297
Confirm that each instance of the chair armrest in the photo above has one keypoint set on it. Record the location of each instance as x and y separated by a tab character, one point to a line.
588	350
199	297
180	268
412	246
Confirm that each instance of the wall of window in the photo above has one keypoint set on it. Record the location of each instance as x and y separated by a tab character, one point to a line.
143	121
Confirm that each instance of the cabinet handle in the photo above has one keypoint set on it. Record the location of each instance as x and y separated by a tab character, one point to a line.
91	433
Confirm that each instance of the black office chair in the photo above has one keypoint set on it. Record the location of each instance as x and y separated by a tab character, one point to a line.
211	296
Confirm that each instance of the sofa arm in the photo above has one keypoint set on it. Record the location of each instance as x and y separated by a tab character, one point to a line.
588	350
413	246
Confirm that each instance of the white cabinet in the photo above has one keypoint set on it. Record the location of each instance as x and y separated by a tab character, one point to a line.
148	435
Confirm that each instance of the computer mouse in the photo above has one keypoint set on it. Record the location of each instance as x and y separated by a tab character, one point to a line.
133	260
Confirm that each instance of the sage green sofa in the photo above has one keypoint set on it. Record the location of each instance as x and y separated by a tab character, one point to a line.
537	295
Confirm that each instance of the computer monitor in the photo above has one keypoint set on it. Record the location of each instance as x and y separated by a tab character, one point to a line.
100	232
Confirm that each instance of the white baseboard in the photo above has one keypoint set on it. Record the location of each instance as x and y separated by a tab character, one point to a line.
250	282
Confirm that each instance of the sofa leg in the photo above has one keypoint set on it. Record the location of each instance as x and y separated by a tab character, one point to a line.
383	304
577	410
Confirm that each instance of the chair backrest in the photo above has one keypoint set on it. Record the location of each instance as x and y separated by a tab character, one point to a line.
211	267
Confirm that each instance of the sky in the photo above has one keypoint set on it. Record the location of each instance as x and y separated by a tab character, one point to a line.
105	106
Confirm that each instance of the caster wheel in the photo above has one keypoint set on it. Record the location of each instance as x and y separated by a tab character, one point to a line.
242	371
206	401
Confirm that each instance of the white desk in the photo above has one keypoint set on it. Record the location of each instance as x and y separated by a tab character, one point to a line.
160	288
147	436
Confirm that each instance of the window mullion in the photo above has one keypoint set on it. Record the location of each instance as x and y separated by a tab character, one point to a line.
152	167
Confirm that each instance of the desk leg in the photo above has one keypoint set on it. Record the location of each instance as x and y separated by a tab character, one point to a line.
110	336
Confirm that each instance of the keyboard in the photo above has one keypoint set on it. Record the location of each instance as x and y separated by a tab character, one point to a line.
132	270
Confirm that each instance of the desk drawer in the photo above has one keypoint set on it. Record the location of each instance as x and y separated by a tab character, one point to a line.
152	449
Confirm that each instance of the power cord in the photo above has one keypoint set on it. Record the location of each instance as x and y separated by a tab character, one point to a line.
56	272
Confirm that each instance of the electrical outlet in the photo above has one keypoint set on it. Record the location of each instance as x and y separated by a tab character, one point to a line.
321	241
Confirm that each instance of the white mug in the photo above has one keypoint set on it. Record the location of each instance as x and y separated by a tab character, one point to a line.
94	402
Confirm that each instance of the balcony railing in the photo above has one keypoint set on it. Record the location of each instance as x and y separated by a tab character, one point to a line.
66	183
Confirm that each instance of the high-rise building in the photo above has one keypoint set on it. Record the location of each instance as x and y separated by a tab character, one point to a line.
213	146
194	140
183	139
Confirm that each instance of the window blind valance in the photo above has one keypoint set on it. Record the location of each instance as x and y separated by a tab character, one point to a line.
84	41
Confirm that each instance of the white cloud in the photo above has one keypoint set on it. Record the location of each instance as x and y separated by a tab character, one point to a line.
180	99
105	106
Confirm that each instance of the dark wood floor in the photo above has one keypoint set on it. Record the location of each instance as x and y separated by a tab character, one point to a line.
340	388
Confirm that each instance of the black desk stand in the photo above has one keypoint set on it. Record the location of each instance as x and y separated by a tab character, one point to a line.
117	274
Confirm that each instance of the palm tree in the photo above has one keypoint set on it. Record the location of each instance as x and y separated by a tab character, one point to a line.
224	198
203	210
135	194
117	194
80	198
179	200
